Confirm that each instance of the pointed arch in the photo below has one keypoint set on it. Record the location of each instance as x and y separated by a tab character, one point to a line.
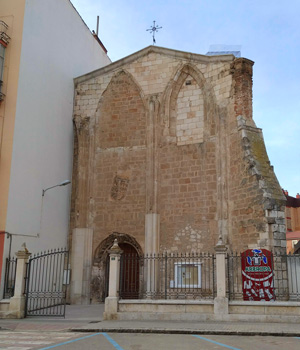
121	113
123	72
187	105
101	251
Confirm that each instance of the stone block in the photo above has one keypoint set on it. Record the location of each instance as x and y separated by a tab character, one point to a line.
220	306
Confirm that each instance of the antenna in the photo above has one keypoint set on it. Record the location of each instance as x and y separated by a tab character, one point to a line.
153	30
97	29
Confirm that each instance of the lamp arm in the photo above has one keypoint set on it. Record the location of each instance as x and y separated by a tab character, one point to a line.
64	183
48	189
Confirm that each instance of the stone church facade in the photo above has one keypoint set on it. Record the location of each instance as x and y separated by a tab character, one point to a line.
168	158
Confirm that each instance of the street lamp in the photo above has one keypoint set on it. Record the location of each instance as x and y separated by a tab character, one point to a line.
64	183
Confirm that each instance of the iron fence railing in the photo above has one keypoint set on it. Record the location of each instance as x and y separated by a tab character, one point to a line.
285	278
46	283
168	276
9	278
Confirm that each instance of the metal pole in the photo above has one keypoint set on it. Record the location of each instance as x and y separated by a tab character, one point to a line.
97	29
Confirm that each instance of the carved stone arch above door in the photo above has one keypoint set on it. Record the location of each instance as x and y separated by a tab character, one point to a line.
101	251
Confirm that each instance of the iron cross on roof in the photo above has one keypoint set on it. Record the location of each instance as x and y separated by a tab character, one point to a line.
153	29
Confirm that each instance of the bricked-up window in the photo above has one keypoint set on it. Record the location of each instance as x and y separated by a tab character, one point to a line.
190	113
187	275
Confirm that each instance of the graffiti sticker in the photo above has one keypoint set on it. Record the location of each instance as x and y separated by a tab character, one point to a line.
257	275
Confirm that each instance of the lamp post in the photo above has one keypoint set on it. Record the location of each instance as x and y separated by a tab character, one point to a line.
64	183
10	235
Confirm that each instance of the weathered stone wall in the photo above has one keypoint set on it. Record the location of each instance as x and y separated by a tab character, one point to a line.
187	199
256	201
119	188
171	133
245	199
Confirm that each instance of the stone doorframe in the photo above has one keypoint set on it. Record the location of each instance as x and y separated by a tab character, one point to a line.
99	264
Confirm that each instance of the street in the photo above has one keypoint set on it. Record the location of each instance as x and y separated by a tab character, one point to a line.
137	341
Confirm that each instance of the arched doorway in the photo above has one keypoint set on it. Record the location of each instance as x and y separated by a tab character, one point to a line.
129	272
130	277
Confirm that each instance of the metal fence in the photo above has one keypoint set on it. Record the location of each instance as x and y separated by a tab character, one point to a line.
46	283
285	279
9	278
193	276
168	276
234	277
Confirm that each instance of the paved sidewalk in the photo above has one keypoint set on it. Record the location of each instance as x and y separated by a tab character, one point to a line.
76	316
88	318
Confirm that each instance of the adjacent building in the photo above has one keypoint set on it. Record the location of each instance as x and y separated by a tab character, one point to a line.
167	158
43	45
292	215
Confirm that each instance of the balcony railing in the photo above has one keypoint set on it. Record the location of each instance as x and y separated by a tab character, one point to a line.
3	35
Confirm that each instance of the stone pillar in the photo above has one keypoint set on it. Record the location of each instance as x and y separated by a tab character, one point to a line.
81	266
17	302
241	70
221	302
152	225
84	130
152	218
111	302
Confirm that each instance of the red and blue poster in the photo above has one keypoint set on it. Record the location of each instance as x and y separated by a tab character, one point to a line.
257	275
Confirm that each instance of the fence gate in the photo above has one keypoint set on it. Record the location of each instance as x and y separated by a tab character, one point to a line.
46	283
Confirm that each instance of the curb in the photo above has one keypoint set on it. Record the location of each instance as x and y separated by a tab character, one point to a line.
184	331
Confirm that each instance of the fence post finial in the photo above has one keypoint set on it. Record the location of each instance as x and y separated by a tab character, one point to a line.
24	247
115	247
220	241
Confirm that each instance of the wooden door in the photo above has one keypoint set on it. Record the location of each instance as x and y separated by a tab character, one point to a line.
129	288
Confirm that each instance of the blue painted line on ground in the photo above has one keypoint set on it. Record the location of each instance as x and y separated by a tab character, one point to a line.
114	343
69	341
297	337
215	342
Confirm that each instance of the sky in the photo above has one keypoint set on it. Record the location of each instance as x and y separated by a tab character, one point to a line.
268	32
